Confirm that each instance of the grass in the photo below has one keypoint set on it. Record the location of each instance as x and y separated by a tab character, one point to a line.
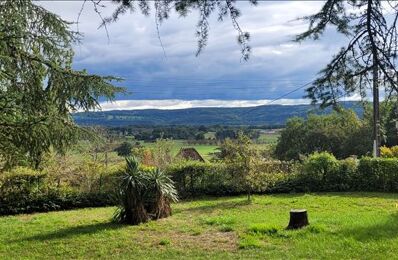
269	138
204	149
342	226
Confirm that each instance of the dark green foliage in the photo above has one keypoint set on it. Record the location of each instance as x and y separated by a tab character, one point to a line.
200	136
51	201
343	134
27	191
371	27
197	178
378	174
39	88
124	149
323	172
132	195
144	195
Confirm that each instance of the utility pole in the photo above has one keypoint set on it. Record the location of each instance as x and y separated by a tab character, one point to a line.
376	111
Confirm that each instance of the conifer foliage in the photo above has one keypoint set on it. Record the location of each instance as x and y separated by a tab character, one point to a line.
372	31
38	86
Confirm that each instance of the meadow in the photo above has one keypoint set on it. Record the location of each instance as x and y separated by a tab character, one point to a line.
206	150
342	225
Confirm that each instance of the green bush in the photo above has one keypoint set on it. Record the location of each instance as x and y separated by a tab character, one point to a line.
21	181
197	178
23	190
320	172
194	178
378	174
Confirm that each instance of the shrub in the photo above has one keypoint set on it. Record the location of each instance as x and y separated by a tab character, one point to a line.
347	175
144	195
387	152
198	178
320	170
194	178
23	190
124	149
21	181
378	174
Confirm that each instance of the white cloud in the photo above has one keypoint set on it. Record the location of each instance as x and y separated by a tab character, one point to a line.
167	104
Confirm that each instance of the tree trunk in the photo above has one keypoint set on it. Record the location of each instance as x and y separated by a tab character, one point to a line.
298	219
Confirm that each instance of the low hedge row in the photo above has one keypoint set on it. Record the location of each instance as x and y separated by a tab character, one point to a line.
54	200
26	191
378	174
320	172
197	178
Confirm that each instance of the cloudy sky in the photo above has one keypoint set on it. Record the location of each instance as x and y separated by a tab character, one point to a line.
218	77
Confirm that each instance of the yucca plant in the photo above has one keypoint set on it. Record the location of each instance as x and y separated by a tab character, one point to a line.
131	195
162	193
144	195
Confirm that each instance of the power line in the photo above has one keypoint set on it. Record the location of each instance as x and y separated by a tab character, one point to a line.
280	97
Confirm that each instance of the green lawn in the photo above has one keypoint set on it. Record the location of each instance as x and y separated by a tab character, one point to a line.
345	225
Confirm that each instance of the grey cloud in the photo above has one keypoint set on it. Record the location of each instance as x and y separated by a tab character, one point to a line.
134	50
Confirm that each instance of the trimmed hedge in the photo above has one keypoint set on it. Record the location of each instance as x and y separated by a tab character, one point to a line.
53	200
194	178
198	178
320	172
25	191
378	174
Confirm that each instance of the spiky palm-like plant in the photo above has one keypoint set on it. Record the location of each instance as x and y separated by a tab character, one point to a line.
162	193
132	193
144	195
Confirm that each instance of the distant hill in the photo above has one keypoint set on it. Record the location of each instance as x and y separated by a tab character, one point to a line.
262	115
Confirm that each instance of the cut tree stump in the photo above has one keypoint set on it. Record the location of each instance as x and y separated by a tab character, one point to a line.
298	219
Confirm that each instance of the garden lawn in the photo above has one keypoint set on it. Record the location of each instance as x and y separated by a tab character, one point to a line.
342	225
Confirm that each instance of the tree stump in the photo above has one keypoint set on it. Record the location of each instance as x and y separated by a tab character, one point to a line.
298	219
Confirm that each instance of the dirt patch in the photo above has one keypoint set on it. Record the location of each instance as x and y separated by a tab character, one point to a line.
209	240
26	217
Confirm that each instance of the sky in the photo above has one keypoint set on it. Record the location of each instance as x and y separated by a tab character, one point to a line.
176	78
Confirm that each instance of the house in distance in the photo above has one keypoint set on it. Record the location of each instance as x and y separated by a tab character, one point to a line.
190	153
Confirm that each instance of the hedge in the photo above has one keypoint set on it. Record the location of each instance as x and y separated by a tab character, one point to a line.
194	178
320	172
378	174
24	191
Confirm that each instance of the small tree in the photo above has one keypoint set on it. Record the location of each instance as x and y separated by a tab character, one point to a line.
241	156
162	152
125	149
38	86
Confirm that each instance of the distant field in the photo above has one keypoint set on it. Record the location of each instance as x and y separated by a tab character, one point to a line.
268	138
204	149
